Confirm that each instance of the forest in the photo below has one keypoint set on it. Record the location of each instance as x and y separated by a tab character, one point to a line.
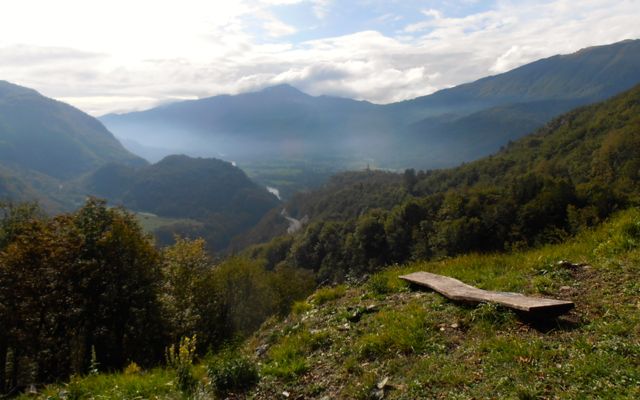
90	290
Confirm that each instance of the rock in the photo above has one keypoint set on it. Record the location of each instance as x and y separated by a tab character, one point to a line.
344	327
455	325
382	383
260	350
355	316
570	265
565	288
285	394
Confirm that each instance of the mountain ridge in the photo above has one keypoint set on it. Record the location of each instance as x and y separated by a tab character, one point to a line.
284	122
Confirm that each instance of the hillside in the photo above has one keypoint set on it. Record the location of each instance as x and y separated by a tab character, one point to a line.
541	217
592	74
218	195
381	339
443	129
45	145
542	188
53	138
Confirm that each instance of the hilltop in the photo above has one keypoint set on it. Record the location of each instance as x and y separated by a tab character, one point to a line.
380	339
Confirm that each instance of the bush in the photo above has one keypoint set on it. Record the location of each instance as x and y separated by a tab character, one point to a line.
181	359
229	372
133	369
326	294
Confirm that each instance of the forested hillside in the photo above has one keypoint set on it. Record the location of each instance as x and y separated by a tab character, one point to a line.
543	188
381	339
53	138
46	144
216	196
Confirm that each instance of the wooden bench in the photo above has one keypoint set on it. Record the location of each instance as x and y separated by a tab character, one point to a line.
459	291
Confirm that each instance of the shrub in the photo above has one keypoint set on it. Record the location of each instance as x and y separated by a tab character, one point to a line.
181	359
229	372
133	369
300	307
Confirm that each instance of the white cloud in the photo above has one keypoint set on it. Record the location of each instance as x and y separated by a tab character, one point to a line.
321	8
276	28
121	55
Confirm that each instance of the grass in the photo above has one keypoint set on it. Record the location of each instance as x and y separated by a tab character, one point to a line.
326	294
428	347
287	359
157	383
409	329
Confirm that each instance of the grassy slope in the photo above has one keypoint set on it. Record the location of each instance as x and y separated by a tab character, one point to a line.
429	347
333	346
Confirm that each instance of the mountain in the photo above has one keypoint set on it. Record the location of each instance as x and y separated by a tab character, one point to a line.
589	75
376	336
53	138
213	198
494	110
276	121
443	129
45	145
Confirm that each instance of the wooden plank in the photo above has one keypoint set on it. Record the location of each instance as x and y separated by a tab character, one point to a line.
459	291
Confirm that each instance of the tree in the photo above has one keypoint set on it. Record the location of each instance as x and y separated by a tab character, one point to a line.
189	296
74	283
409	179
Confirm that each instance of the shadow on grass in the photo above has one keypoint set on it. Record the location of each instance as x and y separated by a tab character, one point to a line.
546	324
564	320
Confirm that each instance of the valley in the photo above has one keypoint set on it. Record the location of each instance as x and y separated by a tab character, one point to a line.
250	245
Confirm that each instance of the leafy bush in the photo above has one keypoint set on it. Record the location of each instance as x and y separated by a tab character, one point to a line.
133	369
300	307
229	371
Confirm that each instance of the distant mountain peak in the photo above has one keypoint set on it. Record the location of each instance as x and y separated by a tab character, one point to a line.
283	89
9	89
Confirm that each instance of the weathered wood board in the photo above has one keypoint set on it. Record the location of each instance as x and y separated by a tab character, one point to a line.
459	291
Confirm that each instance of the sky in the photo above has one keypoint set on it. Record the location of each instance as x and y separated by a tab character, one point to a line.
125	55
